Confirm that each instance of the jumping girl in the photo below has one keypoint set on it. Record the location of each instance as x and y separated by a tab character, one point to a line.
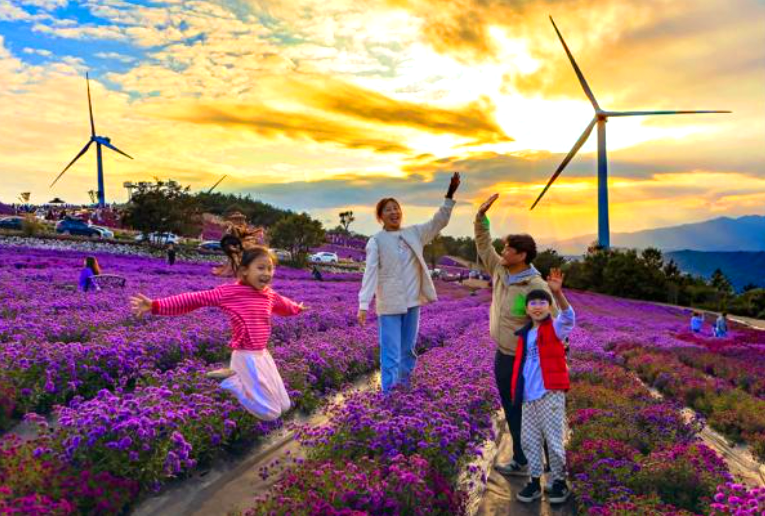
249	303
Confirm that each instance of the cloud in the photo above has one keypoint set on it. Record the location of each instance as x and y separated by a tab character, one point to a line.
38	51
474	121
11	12
114	56
330	110
273	123
48	5
85	32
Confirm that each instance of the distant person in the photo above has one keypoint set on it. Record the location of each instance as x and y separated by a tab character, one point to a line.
721	326
171	254
316	273
697	322
90	270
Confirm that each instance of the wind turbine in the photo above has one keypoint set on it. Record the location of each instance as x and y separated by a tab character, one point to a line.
99	140
216	184
600	119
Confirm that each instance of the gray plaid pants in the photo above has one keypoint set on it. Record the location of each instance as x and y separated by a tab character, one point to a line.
545	420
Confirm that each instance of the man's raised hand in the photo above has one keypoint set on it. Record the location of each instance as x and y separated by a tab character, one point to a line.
487	204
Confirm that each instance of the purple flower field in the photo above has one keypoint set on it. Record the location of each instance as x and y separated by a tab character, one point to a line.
128	407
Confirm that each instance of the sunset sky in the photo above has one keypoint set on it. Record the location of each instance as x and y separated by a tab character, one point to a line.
328	105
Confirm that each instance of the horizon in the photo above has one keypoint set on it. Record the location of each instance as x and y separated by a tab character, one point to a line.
327	106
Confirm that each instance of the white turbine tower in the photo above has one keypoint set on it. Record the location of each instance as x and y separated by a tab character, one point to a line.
600	119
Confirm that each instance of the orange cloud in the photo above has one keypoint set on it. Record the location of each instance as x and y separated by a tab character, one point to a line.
329	110
273	123
475	120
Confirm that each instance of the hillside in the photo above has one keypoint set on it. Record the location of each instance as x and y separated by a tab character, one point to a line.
741	268
720	234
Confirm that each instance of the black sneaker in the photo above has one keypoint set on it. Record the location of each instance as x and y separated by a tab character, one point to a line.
531	492
513	469
559	493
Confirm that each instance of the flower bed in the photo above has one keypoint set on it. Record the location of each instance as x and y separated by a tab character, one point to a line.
631	452
139	406
422	435
735	413
56	343
742	367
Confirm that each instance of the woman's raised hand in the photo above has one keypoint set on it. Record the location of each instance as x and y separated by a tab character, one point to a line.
140	304
487	204
453	185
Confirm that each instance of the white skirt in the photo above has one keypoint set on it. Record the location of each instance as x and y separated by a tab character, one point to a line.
257	384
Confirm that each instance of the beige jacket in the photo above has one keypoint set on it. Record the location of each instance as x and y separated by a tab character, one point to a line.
508	304
382	275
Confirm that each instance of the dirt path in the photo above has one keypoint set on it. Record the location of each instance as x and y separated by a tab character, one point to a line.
232	484
499	497
741	462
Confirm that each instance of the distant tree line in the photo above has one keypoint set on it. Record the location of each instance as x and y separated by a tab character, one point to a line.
166	206
629	273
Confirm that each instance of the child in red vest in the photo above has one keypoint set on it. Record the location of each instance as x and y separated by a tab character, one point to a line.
540	381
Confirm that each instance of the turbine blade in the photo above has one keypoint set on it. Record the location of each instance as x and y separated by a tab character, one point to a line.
579	74
90	107
83	151
569	157
216	184
643	113
112	147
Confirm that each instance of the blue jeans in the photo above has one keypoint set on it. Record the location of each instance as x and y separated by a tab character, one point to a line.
398	337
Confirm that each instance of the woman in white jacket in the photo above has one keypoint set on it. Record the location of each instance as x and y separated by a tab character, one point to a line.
397	275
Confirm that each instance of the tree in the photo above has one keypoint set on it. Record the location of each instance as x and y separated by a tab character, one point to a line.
258	213
548	259
652	258
721	283
723	286
434	251
297	233
672	271
164	207
346	218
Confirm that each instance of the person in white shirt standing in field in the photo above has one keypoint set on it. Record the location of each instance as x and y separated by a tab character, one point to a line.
397	275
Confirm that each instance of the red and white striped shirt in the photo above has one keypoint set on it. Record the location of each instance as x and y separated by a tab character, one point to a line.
248	309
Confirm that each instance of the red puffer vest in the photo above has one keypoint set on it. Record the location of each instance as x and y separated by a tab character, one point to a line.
552	359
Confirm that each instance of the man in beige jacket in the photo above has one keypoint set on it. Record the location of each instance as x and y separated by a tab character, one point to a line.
512	276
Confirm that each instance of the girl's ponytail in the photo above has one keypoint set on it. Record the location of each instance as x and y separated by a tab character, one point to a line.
232	247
